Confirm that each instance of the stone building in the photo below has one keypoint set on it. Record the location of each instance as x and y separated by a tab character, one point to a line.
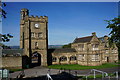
89	51
34	36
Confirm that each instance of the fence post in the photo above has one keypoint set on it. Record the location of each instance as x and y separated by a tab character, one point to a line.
69	71
102	74
49	71
117	75
86	77
94	75
75	73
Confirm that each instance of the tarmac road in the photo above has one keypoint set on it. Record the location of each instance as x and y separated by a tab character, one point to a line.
42	71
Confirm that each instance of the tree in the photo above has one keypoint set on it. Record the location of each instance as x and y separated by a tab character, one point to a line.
114	25
5	37
2	11
67	46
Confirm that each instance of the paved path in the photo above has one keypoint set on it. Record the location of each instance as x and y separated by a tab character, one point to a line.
41	71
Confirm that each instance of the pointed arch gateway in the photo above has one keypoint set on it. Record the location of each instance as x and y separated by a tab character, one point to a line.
36	59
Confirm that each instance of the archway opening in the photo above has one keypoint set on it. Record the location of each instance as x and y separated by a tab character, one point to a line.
36	59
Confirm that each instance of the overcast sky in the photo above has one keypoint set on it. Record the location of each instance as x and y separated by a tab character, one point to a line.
67	20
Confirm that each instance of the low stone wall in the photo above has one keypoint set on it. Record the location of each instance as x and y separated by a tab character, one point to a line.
92	63
11	62
84	63
64	62
73	62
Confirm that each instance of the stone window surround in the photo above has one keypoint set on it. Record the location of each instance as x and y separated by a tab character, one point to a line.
63	58
54	59
72	58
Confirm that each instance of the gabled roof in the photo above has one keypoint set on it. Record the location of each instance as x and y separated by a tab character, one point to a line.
62	50
83	39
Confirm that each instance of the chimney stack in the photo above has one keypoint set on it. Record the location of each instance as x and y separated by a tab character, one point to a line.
94	34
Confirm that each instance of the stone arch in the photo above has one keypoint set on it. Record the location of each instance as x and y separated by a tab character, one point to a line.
36	59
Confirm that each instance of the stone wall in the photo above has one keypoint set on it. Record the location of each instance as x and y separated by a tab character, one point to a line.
11	62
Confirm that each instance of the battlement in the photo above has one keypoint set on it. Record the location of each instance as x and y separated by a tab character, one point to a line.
24	9
38	18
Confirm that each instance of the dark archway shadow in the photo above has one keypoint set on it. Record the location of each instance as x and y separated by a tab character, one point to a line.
35	60
25	62
49	56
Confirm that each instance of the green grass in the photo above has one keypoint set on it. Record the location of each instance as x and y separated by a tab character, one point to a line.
91	76
14	70
79	67
118	62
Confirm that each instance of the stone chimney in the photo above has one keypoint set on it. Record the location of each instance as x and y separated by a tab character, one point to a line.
105	37
94	34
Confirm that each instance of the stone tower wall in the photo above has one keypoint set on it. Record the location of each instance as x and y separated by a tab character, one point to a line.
34	38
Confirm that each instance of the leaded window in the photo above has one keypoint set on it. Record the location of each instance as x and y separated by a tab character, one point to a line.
40	35
63	58
95	57
32	34
72	58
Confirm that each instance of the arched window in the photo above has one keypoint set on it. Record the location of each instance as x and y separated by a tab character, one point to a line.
54	59
63	58
36	45
72	58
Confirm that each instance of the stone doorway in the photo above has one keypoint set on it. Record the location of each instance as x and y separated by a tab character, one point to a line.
36	59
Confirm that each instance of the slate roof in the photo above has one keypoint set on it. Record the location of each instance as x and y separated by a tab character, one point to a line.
13	52
62	50
83	39
101	39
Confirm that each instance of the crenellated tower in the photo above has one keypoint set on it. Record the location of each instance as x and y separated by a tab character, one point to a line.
34	36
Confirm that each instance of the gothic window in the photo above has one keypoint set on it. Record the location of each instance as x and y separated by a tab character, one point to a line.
32	34
40	35
54	59
63	58
72	58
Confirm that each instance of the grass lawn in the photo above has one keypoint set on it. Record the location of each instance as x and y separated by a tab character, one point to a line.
14	70
79	67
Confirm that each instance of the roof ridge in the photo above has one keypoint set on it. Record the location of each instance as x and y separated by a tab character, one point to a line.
84	37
